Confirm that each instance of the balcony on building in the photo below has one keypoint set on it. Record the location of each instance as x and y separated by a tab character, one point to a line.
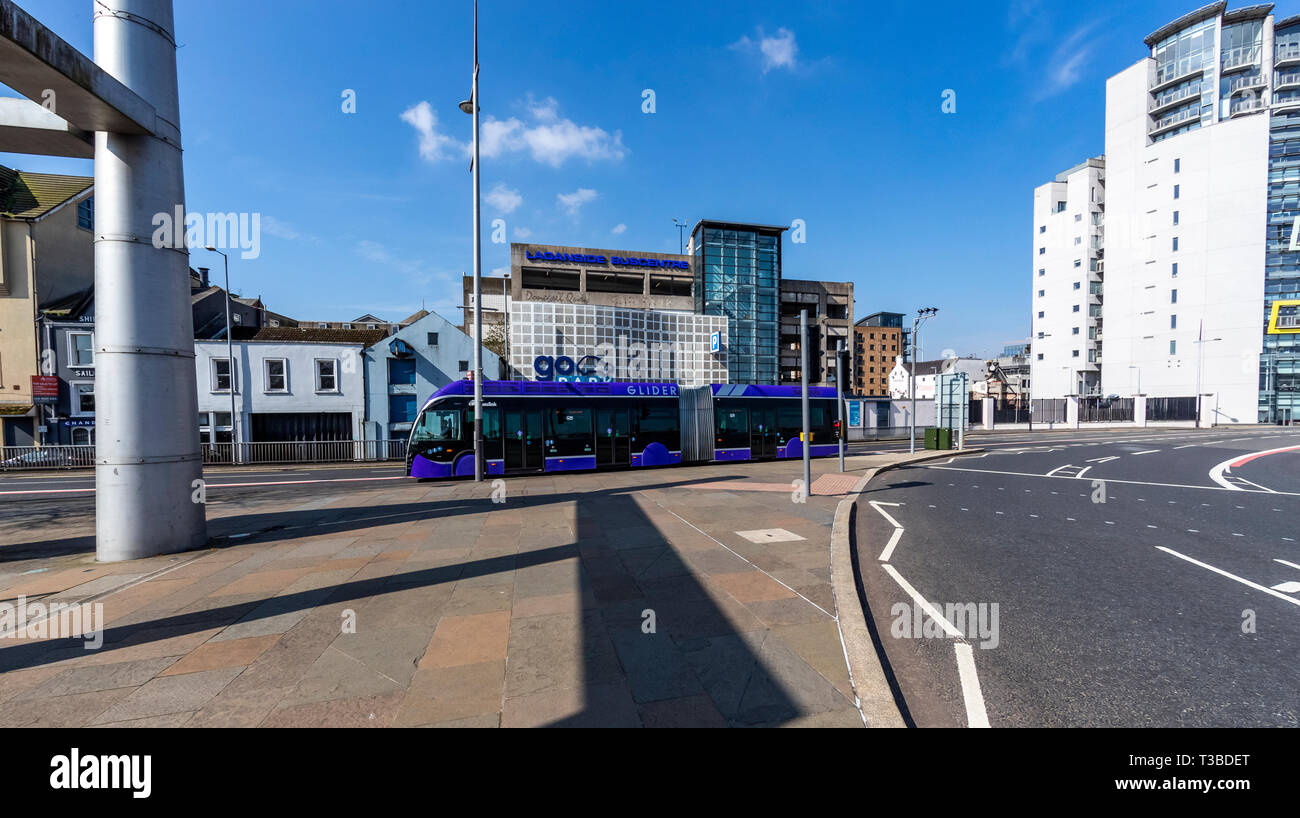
1175	120
1171	99
1286	55
1246	82
1247	105
1245	56
1167	76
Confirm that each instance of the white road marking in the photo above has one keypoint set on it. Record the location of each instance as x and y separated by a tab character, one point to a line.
976	715
929	609
1113	480
1058	468
1287	564
1148	451
1233	577
1102	459
1287	587
893	541
1080	474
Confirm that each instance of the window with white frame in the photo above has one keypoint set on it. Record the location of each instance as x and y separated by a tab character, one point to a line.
83	399
276	375
81	349
327	379
221	375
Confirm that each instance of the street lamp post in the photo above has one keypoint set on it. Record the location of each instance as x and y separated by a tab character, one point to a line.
921	315
230	359
471	107
681	236
1201	341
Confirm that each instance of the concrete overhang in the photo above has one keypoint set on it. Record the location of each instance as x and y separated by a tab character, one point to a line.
26	127
34	60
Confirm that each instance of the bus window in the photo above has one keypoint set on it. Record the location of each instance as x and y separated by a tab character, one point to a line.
437	425
658	419
491	422
571	424
733	427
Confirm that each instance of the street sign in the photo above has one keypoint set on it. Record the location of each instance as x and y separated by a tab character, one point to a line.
45	389
715	342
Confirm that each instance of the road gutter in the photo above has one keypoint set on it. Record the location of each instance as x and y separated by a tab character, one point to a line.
872	692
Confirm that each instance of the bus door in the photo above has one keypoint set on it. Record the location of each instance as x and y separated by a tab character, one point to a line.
524	440
763	432
613	438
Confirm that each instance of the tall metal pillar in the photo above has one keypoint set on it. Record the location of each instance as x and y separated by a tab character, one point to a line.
147	456
807	432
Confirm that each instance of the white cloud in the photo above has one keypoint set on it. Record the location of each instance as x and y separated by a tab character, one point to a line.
571	202
504	199
619	229
1069	60
779	51
523	233
434	146
279	229
549	138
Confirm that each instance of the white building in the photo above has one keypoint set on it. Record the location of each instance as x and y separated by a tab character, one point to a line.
1067	282
927	375
1197	245
286	389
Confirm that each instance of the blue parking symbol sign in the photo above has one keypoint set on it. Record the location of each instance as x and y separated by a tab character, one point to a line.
715	342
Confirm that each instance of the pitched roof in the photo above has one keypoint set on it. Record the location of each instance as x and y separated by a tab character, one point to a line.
26	195
413	317
364	337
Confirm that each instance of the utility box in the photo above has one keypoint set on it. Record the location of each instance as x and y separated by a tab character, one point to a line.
931	437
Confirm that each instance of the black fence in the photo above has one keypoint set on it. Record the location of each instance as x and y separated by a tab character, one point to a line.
1171	408
1010	411
1049	410
1103	410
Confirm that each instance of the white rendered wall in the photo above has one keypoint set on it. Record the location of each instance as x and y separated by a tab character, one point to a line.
1222	210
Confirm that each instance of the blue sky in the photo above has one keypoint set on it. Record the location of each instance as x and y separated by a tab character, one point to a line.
828	112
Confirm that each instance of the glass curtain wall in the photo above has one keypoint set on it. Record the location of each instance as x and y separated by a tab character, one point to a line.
738	275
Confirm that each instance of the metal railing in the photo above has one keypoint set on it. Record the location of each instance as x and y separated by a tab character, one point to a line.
29	458
316	451
32	458
1049	410
1171	408
1239	56
1105	410
1185	115
1167	98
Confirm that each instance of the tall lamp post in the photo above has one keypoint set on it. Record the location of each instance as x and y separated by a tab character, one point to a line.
921	316
471	107
681	236
230	359
1201	341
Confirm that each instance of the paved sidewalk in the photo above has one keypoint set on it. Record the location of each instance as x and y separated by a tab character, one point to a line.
691	596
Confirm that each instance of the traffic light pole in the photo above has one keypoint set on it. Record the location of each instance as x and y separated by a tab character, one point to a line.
839	400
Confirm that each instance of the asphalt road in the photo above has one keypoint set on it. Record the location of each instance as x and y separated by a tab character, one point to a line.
1133	586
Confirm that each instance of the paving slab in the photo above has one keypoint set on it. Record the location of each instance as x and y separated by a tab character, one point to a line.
665	598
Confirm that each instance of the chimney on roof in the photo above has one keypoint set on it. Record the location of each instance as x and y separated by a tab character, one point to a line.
203	277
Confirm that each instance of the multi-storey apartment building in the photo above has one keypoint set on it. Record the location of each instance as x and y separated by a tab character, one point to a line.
878	340
1200	188
1069	269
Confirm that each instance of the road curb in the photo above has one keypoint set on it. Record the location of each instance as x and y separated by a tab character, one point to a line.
875	697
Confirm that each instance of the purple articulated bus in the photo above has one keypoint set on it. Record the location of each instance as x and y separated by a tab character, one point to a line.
544	426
